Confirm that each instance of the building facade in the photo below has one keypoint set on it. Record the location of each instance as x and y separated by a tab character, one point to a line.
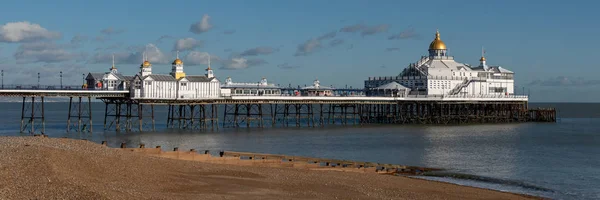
439	74
176	85
111	80
316	90
261	88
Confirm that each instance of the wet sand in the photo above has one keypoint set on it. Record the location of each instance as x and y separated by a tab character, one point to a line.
52	168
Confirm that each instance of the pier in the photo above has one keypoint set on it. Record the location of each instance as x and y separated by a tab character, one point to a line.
125	114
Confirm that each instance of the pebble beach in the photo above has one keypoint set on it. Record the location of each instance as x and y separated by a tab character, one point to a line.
60	168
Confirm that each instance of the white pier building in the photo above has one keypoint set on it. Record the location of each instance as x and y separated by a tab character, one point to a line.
439	74
261	88
176	85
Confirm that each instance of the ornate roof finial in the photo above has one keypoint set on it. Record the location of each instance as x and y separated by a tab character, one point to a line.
482	54
113	60
208	61
177	54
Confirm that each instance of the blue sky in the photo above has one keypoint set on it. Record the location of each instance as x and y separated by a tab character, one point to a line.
550	45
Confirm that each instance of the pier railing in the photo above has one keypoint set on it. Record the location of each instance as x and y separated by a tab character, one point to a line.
41	87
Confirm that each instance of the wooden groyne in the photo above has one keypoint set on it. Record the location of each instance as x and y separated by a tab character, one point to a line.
274	160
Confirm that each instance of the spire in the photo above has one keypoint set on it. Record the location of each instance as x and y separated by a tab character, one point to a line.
482	54
177	54
208	61
209	71
113	69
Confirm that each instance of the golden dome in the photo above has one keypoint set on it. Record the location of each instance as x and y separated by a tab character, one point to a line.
177	62
482	58
437	43
146	64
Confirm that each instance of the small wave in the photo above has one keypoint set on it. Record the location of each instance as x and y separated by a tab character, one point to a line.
487	180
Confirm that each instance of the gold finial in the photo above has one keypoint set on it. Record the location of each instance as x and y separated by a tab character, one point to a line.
482	55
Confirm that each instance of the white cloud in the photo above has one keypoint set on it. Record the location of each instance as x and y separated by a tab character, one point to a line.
365	30
78	39
287	66
353	28
241	63
199	58
46	52
201	26
111	31
307	47
336	42
186	44
258	51
25	32
154	54
375	29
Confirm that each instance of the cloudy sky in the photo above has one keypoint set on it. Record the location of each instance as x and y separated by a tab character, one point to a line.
550	45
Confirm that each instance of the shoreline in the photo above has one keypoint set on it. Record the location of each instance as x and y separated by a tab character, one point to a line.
70	168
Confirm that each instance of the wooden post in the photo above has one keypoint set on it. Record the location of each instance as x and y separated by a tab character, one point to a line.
79	116
105	113
152	112
43	117
32	115
23	115
90	113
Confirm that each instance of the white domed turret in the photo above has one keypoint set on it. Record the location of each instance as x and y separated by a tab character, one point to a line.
263	81
437	48
146	66
177	68
316	83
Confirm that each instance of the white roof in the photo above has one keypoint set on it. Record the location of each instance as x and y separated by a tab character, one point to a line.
430	65
391	86
317	87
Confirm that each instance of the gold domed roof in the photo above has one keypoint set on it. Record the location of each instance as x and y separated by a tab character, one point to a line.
482	58
177	62
146	64
437	43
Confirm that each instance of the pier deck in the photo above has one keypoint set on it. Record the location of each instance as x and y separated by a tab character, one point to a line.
126	114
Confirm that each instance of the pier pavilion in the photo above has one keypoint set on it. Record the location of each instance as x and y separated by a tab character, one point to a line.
439	74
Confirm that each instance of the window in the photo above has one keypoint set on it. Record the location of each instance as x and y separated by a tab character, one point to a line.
148	82
183	84
497	89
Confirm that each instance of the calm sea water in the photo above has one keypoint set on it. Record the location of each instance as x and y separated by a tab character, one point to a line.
557	160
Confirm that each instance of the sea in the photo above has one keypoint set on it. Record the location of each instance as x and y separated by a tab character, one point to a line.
555	160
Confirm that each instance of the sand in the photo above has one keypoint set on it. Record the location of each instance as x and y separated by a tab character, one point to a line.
52	168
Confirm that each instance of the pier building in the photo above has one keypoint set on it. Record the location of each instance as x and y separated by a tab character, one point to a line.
176	85
316	90
439	74
261	88
111	80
